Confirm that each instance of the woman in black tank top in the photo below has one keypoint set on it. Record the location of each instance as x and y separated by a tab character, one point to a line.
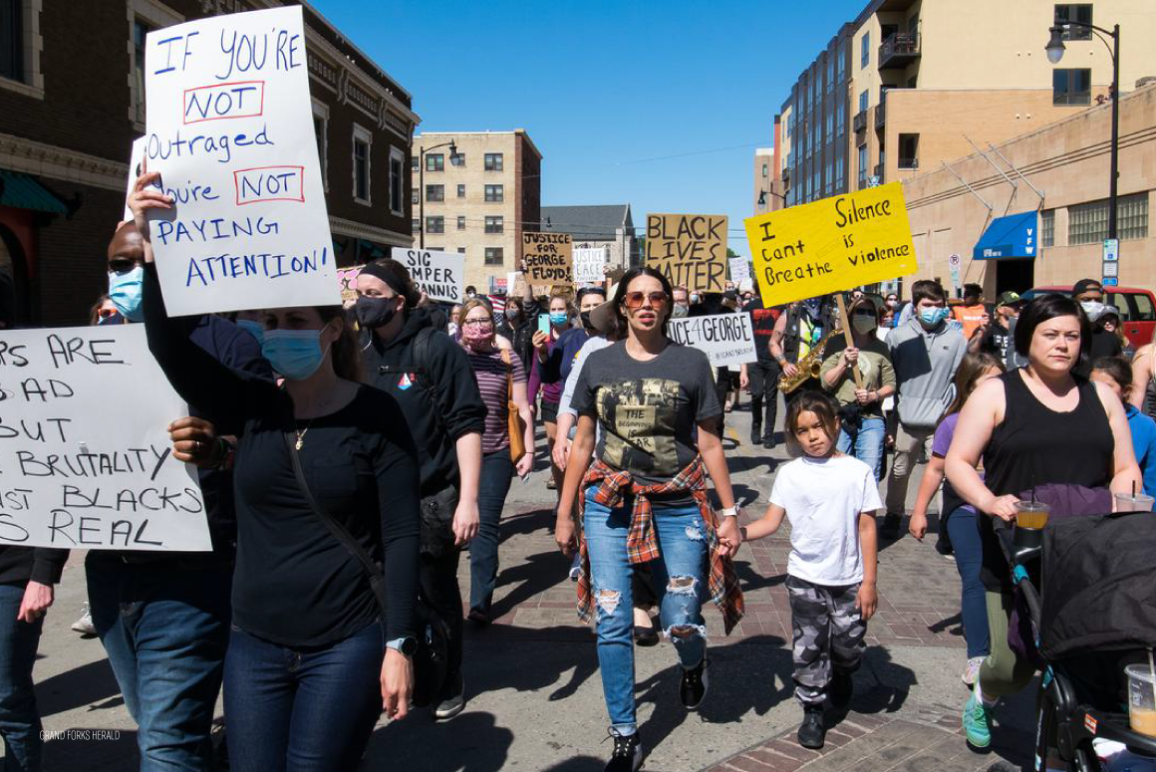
1034	426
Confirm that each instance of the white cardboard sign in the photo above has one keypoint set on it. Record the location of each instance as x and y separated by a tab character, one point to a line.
740	269
85	456
588	266
728	339
230	129
138	151
441	275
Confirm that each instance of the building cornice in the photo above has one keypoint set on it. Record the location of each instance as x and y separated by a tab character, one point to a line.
19	154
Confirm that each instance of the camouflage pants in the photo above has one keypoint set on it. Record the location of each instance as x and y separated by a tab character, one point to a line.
828	635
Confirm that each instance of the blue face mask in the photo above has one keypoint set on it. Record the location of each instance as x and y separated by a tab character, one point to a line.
294	354
558	319
256	329
931	317
124	290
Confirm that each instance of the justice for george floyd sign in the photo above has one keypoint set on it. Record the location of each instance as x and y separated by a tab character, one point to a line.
548	257
831	245
85	456
230	129
690	249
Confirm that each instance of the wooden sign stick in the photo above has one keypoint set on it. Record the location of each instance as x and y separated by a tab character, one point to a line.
849	337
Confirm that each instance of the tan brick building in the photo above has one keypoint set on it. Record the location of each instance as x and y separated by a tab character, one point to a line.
478	199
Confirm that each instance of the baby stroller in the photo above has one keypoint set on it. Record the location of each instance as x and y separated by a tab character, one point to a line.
1096	614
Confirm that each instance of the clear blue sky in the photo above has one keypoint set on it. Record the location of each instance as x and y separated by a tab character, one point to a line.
656	104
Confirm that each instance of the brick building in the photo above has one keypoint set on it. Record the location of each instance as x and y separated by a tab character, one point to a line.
71	103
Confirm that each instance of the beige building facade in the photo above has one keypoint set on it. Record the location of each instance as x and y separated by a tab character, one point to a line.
478	199
1060	171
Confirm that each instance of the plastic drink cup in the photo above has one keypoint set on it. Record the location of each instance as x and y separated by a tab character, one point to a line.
1134	502
1141	699
1032	514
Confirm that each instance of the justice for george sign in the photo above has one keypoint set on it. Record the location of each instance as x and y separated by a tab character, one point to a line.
230	129
831	245
549	258
691	249
85	457
728	339
440	275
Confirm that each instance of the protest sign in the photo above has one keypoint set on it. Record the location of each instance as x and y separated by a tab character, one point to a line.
740	269
230	129
135	157
728	339
85	455
441	275
831	245
548	258
588	265
347	280
690	249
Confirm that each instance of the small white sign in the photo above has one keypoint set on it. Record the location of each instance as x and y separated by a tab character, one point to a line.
589	265
1111	269
230	129
954	261
1111	250
84	445
728	339
740	269
441	275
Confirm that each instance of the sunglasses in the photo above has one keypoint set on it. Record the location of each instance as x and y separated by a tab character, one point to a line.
633	300
106	313
123	264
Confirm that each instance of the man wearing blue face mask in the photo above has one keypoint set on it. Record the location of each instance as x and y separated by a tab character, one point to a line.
925	353
163	618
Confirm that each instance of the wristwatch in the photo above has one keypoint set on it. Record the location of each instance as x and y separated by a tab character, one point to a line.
729	511
407	645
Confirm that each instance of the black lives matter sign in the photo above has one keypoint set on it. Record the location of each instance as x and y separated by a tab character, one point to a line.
690	249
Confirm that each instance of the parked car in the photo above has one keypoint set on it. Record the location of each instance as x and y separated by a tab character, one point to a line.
1137	309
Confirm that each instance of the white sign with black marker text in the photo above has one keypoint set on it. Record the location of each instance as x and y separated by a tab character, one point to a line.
728	339
589	265
440	275
85	456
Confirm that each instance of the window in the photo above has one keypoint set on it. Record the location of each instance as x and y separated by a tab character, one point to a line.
1075	12
494	225
863	101
414	197
458	160
321	132
435	162
1132	216
494	256
839	169
435	192
461	250
865	50
908	151
494	194
139	30
362	141
435	225
415	226
862	166
830	127
829	183
1048	228
461	191
493	162
397	181
841	64
461	222
840	119
1088	223
830	73
414	164
764	170
1144	310
1072	87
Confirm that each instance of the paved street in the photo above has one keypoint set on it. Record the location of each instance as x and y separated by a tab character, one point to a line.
536	698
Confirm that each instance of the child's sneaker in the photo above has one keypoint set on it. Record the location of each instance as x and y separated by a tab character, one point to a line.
971	672
812	733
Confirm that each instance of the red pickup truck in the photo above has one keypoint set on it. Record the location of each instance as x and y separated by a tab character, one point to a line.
1137	309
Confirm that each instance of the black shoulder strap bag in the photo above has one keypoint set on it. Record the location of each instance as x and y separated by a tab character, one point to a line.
431	662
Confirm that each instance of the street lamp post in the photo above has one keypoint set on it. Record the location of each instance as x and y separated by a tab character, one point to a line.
1055	49
421	186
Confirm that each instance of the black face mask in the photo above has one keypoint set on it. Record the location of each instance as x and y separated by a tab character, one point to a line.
586	320
375	312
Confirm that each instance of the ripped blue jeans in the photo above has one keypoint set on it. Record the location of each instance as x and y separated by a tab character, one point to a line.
679	578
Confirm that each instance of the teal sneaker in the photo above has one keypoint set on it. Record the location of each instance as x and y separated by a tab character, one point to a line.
977	722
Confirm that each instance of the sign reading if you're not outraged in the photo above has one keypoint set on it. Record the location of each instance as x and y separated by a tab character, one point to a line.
831	245
85	456
230	129
727	339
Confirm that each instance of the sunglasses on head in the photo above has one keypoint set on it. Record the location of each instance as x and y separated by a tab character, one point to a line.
633	300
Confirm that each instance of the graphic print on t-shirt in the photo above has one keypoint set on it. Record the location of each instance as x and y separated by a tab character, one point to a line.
640	416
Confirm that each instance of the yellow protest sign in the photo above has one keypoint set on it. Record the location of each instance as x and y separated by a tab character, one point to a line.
690	249
831	245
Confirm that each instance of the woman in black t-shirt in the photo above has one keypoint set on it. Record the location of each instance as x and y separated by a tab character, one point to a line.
308	634
1035	426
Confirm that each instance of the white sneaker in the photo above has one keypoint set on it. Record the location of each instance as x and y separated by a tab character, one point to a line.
84	625
971	672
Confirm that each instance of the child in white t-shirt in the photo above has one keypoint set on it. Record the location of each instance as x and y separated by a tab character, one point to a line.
830	500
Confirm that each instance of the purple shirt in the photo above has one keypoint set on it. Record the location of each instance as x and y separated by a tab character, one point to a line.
490	370
940	444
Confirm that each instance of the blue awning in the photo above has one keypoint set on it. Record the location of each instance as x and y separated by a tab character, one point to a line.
21	191
1013	236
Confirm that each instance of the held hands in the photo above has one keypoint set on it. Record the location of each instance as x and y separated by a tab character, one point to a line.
195	442
396	684
37	598
466	522
1003	507
866	600
917	526
730	538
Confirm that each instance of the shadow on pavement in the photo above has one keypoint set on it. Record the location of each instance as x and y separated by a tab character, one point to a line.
472	742
534	575
891	683
80	686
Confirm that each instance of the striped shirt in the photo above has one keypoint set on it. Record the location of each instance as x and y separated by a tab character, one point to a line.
490	370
